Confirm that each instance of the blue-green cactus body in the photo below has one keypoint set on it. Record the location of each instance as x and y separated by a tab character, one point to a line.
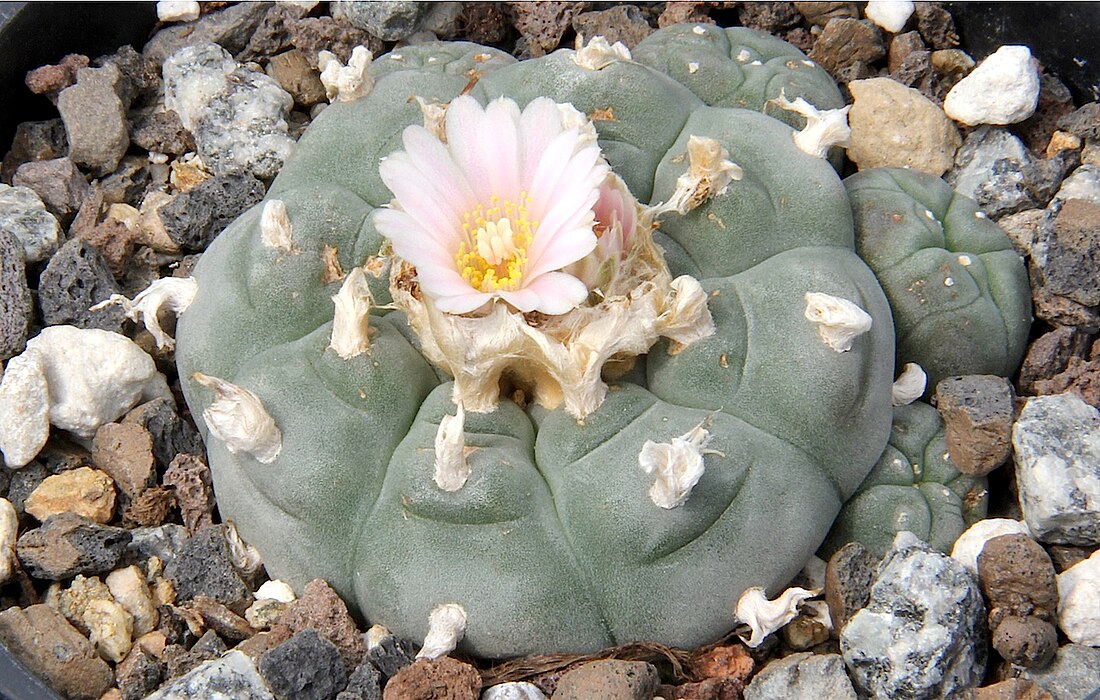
915	487
958	290
553	543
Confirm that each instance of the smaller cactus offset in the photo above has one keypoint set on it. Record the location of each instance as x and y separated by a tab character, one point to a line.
565	352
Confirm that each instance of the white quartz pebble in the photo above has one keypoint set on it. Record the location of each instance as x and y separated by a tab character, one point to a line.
891	15
177	10
971	543
1079	601
1003	89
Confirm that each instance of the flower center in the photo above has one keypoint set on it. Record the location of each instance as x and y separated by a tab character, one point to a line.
494	254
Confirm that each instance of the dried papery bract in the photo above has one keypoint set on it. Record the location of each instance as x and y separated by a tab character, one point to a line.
276	230
346	83
839	321
765	616
909	386
677	465
239	419
709	172
351	319
598	53
451	468
446	627
824	128
173	294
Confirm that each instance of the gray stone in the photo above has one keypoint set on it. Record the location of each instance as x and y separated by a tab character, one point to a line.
1065	266
204	567
848	577
923	633
76	279
68	544
1083	123
804	676
231	28
612	679
95	119
58	182
1050	355
238	116
314	34
163	541
161	132
138	674
977	412
232	677
24	215
364	683
995	168
1074	674
624	23
23	482
1057	455
388	20
171	434
1082	183
140	76
54	650
15	297
305	667
272	35
390	654
194	219
846	44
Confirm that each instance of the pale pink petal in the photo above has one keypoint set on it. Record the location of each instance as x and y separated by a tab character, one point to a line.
464	140
553	293
568	247
538	126
548	172
564	216
438	170
400	174
501	140
441	281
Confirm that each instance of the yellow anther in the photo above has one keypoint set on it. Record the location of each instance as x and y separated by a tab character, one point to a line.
494	255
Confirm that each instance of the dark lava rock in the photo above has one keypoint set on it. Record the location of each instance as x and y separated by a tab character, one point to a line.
195	218
68	544
768	16
139	674
936	26
58	182
51	648
1084	122
171	434
35	141
231	28
181	660
305	667
391	654
161	132
205	567
76	279
23	482
848	577
1050	354
977	412
847	43
364	683
1065	265
15	297
314	34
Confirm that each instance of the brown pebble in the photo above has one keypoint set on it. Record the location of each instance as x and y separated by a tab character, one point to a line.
261	642
321	609
125	452
1025	641
1013	689
139	674
52	648
438	679
1066	555
49	80
846	42
228	624
150	508
298	76
189	477
977	411
84	491
804	632
709	689
726	661
848	577
543	24
1017	578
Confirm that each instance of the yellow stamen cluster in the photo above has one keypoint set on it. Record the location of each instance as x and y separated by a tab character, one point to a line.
494	255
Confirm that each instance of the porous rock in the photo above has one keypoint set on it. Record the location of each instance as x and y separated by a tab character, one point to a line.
768	16
543	24
1057	456
68	544
150	507
237	115
848	577
1029	642
161	132
613	679
76	279
204	566
803	675
43	140
194	218
848	43
622	23
1049	355
923	630
388	653
977	413
1017	578
58	182
139	674
125	452
424	679
1065	264
15	297
1073	675
231	677
1012	689
53	649
315	34
171	434
895	126
84	491
51	79
24	216
305	667
189	477
321	609
365	683
723	661
95	119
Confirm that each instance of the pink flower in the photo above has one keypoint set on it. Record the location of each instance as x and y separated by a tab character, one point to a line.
498	210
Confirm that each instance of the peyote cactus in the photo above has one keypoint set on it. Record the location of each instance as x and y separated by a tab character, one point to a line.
579	483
